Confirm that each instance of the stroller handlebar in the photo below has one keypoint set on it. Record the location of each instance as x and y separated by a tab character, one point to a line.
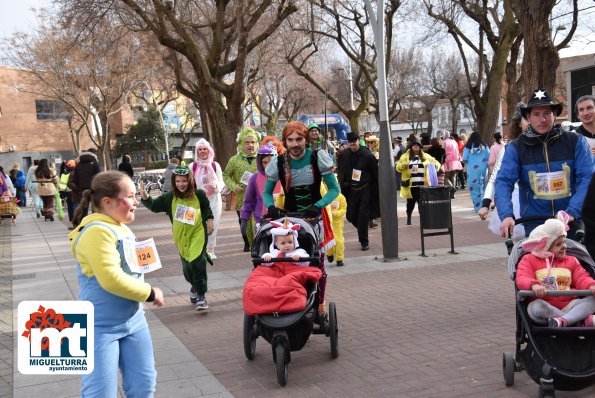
258	261
297	214
521	294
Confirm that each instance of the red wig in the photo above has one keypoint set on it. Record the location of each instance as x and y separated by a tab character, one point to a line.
295	127
278	144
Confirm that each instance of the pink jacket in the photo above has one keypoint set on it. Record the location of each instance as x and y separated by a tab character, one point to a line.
494	151
453	158
530	264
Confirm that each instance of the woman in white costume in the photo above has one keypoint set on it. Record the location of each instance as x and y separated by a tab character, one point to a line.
209	177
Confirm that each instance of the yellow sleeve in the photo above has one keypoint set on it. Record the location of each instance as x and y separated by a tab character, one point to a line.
98	255
340	212
403	163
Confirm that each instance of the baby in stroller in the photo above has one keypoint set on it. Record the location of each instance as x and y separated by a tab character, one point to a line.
285	244
281	299
548	268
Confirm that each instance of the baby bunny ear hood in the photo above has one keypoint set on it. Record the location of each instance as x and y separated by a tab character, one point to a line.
541	238
284	229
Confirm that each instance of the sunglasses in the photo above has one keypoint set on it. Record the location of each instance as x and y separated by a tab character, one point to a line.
181	172
352	139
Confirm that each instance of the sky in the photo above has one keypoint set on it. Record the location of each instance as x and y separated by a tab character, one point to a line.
17	16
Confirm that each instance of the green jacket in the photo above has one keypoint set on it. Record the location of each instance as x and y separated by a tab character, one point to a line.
164	203
233	172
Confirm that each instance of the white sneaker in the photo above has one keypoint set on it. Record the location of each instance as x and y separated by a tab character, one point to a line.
212	255
202	304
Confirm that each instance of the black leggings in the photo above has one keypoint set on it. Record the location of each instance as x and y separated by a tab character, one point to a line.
411	202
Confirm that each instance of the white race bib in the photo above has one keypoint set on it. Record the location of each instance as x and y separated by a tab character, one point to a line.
356	175
552	185
129	248
147	256
245	177
185	214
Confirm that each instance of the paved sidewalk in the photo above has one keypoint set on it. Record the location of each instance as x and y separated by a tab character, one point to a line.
421	327
36	265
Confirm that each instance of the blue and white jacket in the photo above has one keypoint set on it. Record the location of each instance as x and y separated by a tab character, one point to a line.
553	171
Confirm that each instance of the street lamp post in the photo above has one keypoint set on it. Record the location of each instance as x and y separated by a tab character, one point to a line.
386	169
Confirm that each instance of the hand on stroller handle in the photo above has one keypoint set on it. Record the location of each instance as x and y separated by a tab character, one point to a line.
282	213
522	294
258	261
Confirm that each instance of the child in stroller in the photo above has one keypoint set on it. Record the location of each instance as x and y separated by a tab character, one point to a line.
281	299
548	268
558	355
285	244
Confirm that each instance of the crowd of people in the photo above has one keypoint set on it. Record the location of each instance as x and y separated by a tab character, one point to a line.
542	170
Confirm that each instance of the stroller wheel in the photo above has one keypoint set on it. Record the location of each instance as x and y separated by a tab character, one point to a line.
249	337
333	329
281	363
508	367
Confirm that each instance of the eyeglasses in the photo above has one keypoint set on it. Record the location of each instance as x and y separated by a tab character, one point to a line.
181	171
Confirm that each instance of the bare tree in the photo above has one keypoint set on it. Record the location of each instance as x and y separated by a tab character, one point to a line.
211	42
540	55
402	80
446	79
497	29
92	73
345	24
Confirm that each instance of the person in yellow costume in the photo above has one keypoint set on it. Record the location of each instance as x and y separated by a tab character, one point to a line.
338	211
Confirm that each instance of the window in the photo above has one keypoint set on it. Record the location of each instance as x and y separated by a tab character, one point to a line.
49	110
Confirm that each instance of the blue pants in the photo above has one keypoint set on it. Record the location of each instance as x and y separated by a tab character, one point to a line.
126	346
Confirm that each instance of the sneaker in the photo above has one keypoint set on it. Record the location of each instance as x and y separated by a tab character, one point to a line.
330	258
212	255
202	304
193	296
373	224
556	322
340	263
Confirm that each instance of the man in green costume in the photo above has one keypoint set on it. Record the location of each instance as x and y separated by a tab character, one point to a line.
238	171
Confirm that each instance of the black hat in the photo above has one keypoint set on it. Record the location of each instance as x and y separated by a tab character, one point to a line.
398	138
352	135
540	97
415	142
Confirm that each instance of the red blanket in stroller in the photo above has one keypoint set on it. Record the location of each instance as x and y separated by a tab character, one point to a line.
279	288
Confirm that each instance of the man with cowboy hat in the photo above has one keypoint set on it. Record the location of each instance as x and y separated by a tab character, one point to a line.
552	166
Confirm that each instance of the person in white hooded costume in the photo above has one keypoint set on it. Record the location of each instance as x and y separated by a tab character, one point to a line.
209	177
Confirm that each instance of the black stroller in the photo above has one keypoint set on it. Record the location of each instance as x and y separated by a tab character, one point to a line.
555	358
287	332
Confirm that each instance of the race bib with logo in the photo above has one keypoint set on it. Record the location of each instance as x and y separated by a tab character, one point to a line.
552	185
185	214
356	175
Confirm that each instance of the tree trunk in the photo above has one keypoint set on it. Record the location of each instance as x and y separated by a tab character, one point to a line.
224	123
353	117
540	56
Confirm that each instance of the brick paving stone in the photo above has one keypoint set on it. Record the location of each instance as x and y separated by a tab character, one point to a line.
412	332
6	326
